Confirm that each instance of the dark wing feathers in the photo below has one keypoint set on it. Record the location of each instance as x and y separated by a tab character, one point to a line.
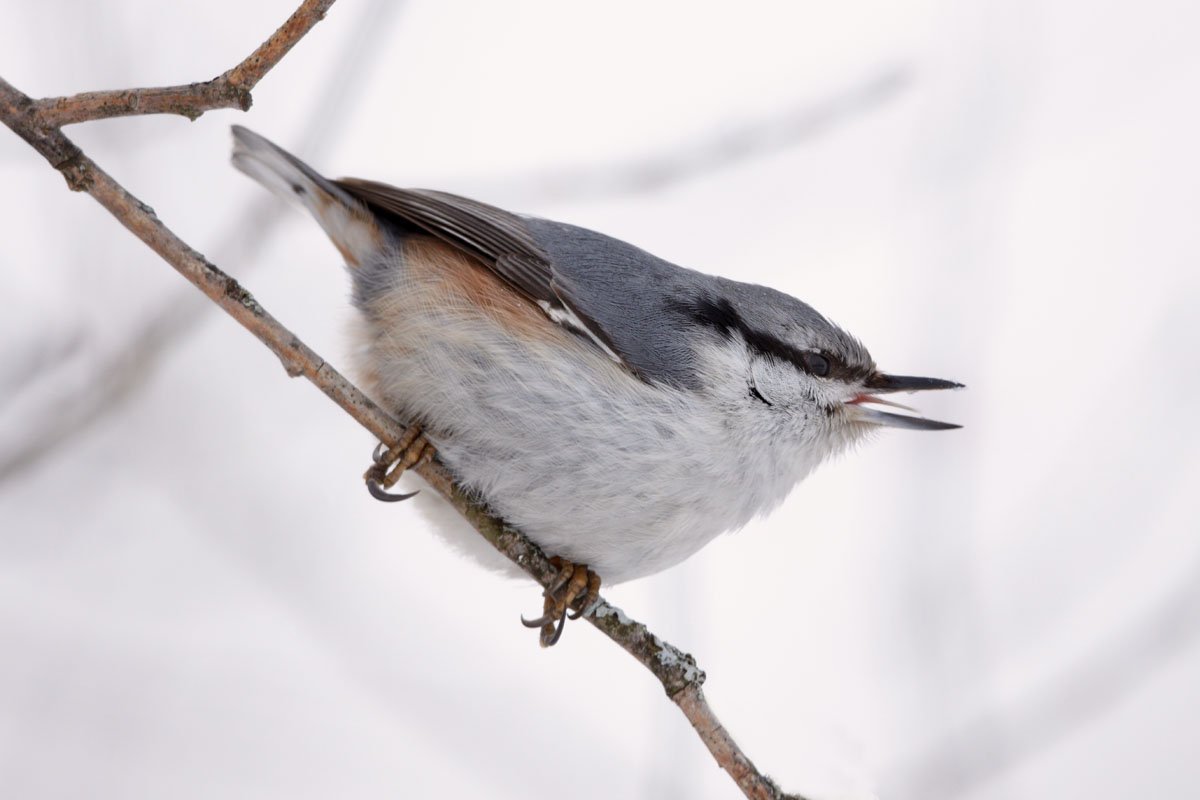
498	239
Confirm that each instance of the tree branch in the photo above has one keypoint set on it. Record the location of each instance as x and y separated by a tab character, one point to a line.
230	89
677	671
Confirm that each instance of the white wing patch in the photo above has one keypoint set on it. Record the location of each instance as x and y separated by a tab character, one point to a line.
563	315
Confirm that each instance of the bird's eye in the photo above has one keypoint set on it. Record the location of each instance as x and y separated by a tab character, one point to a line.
817	364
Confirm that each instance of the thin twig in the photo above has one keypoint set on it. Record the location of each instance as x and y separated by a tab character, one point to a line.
117	373
231	89
674	669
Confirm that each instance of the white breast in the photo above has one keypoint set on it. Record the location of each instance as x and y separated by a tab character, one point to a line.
591	463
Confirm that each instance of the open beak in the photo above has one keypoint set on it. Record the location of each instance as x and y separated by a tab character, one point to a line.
879	384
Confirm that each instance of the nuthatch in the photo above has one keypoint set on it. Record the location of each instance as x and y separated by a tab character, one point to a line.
621	411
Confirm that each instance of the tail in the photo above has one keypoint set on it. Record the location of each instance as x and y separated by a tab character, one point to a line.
353	229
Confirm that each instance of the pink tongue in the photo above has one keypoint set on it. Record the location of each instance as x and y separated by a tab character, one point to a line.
870	398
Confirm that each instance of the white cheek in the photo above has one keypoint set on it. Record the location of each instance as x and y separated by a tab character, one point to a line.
778	383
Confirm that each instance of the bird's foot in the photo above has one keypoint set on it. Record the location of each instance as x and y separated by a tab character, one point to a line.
412	450
574	589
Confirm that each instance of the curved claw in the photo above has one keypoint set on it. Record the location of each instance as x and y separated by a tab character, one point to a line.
544	619
383	495
558	629
378	454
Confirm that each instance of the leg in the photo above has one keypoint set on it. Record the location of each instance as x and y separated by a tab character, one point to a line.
574	587
412	449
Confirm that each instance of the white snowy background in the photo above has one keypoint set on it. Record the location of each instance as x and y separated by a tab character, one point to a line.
198	598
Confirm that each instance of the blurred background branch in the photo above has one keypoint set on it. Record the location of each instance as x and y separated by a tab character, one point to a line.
707	152
999	739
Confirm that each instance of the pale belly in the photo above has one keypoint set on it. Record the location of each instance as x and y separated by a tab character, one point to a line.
590	463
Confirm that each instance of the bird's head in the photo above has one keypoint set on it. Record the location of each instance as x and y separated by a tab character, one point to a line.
796	371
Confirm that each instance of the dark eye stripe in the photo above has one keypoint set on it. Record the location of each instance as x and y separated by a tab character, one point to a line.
721	316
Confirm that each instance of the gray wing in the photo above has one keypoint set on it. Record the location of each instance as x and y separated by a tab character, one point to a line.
609	291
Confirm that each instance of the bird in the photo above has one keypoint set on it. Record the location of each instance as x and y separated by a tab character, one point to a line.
619	410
